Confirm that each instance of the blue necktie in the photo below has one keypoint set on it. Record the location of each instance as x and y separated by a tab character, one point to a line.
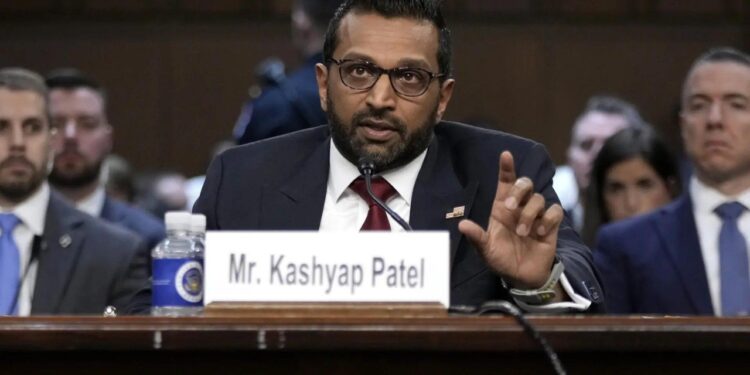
733	264
9	265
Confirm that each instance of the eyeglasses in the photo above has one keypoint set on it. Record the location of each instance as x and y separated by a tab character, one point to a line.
362	75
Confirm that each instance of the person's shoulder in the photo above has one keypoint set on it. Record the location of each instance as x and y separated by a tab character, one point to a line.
290	143
638	228
460	134
135	218
98	233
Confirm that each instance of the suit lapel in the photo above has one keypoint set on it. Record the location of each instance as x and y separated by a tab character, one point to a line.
58	252
437	192
298	202
679	234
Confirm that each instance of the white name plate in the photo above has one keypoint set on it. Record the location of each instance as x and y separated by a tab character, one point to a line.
327	267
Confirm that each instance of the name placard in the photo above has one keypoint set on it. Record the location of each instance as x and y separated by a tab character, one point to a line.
257	266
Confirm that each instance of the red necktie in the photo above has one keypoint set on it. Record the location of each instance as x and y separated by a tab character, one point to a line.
377	218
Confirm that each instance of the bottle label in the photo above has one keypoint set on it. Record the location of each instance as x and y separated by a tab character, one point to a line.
177	282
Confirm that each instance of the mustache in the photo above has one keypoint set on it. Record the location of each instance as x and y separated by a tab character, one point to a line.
16	159
379	115
69	150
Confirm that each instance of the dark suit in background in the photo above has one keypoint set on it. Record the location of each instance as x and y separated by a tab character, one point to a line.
144	224
85	265
289	105
280	184
653	264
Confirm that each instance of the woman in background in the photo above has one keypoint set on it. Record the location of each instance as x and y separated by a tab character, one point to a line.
633	174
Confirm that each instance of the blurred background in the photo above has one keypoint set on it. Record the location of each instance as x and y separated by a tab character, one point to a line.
178	71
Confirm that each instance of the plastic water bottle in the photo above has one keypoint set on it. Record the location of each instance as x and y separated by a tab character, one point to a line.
177	284
198	230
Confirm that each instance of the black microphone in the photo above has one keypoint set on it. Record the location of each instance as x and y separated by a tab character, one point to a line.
367	168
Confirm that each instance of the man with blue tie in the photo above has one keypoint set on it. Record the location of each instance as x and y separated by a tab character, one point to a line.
691	257
51	255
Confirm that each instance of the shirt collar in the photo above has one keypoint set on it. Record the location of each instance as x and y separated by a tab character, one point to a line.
403	178
94	203
33	211
706	199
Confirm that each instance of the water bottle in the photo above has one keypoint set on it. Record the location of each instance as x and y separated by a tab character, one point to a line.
198	230
177	284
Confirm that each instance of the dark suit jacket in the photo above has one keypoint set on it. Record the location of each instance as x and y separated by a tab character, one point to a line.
292	104
142	223
85	265
652	264
280	184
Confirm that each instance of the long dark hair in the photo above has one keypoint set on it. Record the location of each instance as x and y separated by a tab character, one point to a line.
624	145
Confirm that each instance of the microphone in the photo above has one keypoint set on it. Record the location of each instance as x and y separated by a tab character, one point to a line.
367	168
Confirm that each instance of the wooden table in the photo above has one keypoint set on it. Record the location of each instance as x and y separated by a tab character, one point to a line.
451	344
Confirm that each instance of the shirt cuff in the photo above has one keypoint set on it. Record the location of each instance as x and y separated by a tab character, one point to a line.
578	302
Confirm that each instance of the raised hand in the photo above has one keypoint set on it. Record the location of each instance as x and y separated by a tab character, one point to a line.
521	237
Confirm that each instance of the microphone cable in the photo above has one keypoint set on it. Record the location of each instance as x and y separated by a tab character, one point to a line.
367	168
508	308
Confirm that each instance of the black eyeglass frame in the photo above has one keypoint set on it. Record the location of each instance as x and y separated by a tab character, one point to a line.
380	71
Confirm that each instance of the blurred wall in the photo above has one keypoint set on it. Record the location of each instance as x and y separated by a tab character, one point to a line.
177	71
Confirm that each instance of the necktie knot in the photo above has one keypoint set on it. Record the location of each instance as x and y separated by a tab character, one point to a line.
730	210
376	218
380	188
8	222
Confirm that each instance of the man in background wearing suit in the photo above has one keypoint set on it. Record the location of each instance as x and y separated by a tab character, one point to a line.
290	103
82	142
54	259
691	257
385	85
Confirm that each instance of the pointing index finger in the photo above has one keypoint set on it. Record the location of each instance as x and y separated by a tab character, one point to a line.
506	176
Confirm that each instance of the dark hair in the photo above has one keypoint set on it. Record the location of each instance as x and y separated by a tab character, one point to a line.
319	11
624	145
71	79
611	105
428	10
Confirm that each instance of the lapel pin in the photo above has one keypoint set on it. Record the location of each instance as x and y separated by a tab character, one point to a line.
65	240
457	212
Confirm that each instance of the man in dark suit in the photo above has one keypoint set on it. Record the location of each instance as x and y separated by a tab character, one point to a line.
690	257
290	103
385	86
54	259
82	141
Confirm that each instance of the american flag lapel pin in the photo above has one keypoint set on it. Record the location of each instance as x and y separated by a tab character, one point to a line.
457	212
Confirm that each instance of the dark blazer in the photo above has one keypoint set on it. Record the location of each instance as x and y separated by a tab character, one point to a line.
280	184
85	265
289	105
142	223
652	264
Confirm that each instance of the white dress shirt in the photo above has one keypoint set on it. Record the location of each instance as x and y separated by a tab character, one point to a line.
32	213
94	203
708	223
345	210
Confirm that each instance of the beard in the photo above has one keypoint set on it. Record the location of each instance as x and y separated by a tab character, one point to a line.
385	156
67	176
18	189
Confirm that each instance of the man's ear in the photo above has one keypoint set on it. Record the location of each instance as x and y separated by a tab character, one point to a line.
446	92
321	75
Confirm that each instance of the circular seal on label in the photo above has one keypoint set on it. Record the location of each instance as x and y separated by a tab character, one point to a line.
189	281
